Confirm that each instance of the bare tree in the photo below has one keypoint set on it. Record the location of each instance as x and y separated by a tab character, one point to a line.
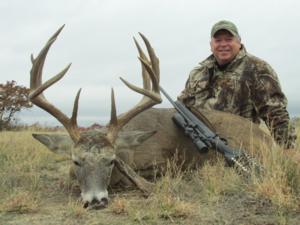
13	98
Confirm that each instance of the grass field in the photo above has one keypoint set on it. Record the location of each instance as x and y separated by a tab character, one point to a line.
35	189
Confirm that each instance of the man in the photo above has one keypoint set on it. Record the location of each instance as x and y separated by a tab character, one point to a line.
235	81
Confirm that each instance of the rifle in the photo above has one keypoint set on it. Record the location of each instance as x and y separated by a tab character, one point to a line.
204	138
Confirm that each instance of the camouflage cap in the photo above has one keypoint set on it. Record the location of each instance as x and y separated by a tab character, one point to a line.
225	25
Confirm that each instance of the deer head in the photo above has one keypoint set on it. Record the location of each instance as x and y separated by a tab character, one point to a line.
94	152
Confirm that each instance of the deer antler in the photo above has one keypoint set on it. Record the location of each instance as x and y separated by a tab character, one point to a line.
36	90
150	91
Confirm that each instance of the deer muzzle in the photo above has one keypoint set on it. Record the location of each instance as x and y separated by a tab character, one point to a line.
95	200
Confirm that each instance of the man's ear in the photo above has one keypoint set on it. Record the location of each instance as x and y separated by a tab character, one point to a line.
210	44
128	139
57	143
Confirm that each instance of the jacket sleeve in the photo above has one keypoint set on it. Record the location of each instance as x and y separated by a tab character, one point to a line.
187	96
193	86
270	103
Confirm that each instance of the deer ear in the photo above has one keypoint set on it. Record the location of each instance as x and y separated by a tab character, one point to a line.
128	139
57	143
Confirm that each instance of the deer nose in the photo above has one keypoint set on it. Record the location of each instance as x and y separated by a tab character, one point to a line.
104	201
95	201
98	204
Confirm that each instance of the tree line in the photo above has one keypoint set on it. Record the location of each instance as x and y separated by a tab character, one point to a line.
13	98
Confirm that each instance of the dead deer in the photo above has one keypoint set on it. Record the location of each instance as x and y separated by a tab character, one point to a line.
138	140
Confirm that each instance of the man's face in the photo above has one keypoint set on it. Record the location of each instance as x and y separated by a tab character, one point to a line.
225	46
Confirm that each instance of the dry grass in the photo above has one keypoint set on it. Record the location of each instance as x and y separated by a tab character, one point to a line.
168	201
217	180
20	202
75	210
281	181
165	203
20	160
22	165
31	180
119	205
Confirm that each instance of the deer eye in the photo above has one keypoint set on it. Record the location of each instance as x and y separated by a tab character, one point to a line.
112	162
76	163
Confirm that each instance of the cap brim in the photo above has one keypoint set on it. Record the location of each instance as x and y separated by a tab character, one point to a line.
231	32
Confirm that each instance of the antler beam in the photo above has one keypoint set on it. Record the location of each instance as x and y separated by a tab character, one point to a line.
37	87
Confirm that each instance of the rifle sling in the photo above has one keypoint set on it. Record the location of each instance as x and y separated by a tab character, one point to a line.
203	118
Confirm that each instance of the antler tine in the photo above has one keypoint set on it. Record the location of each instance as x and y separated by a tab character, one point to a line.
36	71
146	82
153	57
151	66
150	90
37	88
113	114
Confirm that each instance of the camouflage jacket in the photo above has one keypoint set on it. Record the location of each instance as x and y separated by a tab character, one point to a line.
248	87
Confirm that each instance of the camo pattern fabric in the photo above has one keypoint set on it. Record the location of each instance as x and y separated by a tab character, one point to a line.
248	87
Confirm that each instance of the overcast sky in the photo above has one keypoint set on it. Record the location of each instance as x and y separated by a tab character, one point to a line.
97	39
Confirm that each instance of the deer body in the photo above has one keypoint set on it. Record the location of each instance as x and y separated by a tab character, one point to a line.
169	140
166	140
